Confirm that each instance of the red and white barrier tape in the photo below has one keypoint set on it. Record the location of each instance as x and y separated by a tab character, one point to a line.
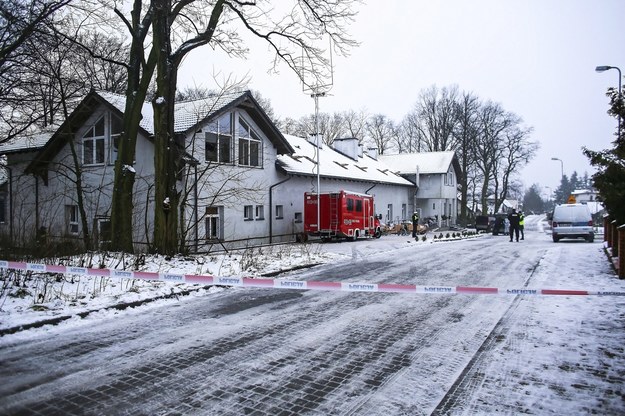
296	284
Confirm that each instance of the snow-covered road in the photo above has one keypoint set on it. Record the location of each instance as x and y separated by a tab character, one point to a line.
269	352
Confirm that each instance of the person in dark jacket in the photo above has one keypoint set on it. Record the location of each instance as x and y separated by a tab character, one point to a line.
514	219
415	224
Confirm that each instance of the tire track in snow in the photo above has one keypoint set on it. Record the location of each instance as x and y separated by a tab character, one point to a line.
471	378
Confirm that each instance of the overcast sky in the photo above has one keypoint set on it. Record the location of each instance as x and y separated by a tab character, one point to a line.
536	58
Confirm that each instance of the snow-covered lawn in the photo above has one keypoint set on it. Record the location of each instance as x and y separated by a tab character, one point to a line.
28	297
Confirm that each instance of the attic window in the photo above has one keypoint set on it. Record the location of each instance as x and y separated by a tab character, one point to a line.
218	140
250	145
93	144
343	165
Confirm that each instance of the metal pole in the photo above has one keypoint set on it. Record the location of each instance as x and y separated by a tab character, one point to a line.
316	95
620	97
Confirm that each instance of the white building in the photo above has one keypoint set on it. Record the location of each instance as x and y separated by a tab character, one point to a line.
436	176
588	197
242	182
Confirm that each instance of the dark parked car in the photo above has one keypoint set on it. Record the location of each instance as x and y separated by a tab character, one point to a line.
501	226
484	223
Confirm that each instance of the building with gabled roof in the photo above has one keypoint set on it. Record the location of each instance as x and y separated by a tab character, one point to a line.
344	166
436	178
242	181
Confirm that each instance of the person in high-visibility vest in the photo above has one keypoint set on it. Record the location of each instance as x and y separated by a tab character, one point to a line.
522	224
415	224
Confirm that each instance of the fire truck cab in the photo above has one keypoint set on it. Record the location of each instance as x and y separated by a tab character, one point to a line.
342	214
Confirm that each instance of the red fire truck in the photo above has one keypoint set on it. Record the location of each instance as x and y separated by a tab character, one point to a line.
343	214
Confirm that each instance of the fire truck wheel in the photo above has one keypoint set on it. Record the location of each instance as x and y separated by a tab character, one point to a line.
378	233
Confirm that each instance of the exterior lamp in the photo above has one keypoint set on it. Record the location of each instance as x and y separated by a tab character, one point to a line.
603	68
561	165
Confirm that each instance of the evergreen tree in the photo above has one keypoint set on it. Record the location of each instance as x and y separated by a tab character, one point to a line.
610	178
561	194
532	201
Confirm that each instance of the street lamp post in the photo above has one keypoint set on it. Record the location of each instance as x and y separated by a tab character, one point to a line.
561	166
603	68
549	196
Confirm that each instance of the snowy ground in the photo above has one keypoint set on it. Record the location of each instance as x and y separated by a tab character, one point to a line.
476	354
26	298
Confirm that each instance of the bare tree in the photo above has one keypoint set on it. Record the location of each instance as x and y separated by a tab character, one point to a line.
465	136
409	134
380	130
22	25
356	123
295	35
434	118
516	151
493	123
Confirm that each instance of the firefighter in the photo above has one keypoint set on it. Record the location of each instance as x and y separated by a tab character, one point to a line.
522	224
415	224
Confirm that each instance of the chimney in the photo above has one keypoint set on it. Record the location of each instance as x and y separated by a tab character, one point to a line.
312	139
347	146
372	152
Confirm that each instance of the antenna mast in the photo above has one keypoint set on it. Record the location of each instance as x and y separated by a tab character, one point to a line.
320	84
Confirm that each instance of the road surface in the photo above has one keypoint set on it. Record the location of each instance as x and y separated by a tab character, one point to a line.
271	352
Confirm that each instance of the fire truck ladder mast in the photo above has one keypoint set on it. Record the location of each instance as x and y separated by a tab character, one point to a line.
321	83
334	213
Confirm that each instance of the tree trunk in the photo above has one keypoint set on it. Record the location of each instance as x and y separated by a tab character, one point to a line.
165	148
139	76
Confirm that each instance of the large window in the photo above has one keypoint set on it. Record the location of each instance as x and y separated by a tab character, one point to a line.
219	140
93	144
104	232
213	223
3	207
249	145
116	128
449	179
71	219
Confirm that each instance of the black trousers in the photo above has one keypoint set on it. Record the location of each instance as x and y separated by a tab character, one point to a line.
514	229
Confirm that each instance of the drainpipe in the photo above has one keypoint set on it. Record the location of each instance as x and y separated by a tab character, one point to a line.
195	208
36	203
10	203
374	185
271	205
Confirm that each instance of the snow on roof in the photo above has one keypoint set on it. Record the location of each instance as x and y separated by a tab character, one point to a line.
428	162
25	143
336	165
583	192
186	113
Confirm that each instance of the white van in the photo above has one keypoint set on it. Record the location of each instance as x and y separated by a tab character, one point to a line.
572	221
